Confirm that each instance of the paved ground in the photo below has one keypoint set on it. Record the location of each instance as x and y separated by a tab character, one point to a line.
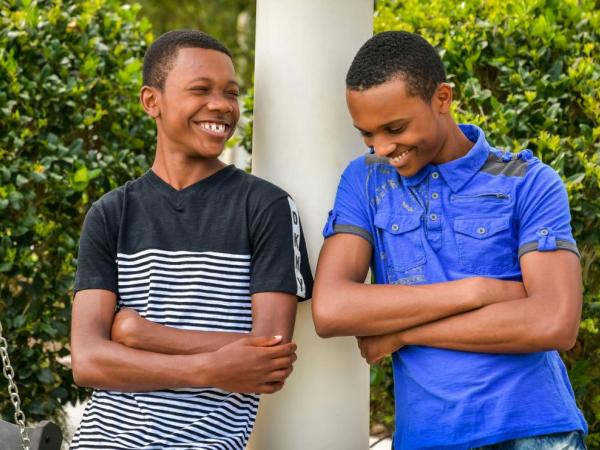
386	444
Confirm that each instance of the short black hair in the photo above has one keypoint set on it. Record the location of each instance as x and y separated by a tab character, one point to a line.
159	58
397	54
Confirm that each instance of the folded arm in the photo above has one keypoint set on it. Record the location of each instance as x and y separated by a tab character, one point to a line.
344	306
273	314
250	364
546	318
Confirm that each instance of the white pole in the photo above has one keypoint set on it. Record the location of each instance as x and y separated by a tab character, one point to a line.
303	139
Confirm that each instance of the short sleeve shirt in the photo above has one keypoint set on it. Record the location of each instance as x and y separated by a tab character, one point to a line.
189	259
474	216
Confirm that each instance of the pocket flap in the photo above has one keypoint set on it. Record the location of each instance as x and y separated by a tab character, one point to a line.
481	228
397	223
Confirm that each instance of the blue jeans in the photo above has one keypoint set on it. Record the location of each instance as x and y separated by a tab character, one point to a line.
571	440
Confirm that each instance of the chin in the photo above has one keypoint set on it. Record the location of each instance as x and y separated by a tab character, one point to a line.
407	171
209	153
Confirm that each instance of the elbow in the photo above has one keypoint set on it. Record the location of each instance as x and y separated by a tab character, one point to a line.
86	367
566	339
325	317
323	327
81	370
562	336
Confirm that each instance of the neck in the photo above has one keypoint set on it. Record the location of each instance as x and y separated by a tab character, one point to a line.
455	146
180	170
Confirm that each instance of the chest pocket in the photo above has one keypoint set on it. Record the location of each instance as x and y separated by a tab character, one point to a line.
402	246
485	245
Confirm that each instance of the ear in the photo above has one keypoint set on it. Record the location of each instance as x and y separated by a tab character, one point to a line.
442	98
149	98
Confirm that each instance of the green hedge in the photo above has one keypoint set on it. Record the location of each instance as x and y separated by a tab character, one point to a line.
70	130
528	73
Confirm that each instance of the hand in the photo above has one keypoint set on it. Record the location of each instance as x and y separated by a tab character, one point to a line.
375	348
125	327
254	364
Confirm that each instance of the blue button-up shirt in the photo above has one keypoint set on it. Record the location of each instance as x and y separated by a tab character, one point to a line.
472	216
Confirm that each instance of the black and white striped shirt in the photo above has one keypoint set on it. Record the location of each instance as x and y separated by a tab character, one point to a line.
189	259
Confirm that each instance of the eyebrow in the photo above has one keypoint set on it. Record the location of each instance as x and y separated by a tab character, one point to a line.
210	80
398	121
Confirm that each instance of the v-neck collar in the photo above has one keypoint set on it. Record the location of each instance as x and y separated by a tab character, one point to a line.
176	197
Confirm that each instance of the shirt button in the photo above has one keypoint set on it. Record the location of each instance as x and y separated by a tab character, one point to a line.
544	231
435	175
435	196
433	216
481	230
395	227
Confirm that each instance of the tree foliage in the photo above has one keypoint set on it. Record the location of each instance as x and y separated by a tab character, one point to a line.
70	130
231	21
528	73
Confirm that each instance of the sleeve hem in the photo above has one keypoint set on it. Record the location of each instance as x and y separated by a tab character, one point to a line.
95	283
352	229
270	288
560	245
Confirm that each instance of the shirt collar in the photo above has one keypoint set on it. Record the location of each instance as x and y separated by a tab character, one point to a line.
418	177
458	172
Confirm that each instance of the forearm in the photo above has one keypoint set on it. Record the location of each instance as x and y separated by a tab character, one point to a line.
154	337
273	314
104	364
518	326
547	317
381	309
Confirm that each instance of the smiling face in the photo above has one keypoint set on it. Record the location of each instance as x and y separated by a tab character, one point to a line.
197	110
401	127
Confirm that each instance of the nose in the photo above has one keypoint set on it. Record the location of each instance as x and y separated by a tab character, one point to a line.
381	148
219	103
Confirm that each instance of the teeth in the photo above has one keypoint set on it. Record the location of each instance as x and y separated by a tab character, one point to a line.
397	159
211	126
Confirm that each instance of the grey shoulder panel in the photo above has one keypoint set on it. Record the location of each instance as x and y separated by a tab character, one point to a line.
497	166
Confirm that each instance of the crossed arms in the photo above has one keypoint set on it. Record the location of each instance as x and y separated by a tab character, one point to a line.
476	314
126	352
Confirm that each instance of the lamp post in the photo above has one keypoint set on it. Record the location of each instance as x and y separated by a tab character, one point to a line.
303	139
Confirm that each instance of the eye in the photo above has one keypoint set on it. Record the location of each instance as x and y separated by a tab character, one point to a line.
396	130
233	93
199	89
365	134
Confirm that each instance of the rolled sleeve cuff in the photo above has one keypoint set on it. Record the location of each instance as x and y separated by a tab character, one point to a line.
352	229
332	227
548	245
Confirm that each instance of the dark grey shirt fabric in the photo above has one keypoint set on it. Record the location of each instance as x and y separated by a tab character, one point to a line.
189	259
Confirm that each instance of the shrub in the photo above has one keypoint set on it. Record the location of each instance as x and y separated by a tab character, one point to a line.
70	130
525	71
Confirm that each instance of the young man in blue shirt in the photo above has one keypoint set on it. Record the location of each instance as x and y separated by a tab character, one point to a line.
477	273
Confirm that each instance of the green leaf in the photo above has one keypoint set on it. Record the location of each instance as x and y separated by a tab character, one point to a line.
81	176
45	376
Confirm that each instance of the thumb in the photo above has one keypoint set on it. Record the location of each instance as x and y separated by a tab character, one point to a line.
264	341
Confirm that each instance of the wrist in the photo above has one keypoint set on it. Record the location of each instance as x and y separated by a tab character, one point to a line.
481	292
199	370
404	338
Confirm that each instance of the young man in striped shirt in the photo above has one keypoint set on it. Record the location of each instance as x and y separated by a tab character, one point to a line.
204	264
